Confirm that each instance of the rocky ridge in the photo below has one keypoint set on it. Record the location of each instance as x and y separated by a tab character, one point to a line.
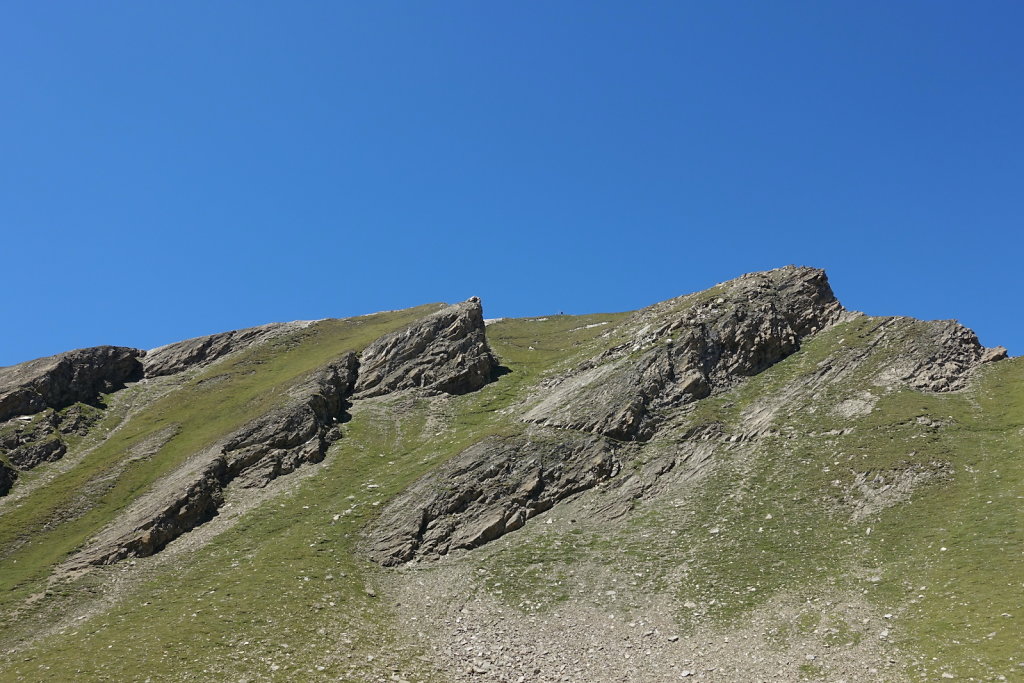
268	447
201	351
44	400
445	351
595	419
731	452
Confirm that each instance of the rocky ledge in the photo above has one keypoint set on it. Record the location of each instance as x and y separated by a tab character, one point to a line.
682	350
67	378
446	351
490	489
46	399
275	444
191	353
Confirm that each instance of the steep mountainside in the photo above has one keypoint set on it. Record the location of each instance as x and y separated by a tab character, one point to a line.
746	483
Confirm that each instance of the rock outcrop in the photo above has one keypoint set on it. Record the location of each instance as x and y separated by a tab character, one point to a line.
67	378
946	352
488	490
299	433
683	350
174	358
275	444
446	351
41	402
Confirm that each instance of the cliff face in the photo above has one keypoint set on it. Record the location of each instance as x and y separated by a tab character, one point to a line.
540	499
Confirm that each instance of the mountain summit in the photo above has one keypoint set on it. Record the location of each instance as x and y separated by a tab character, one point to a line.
748	482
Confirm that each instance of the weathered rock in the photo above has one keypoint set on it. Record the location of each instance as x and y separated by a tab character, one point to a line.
945	352
446	351
299	433
994	354
28	441
275	444
490	489
67	378
681	351
29	455
174	358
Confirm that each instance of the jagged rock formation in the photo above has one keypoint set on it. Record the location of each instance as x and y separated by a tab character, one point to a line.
284	439
272	445
668	356
71	377
674	357
696	481
41	402
947	351
488	490
174	358
446	351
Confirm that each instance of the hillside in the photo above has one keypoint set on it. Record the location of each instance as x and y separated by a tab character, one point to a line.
745	483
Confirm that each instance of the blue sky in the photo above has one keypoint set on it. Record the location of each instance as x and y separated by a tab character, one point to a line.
176	169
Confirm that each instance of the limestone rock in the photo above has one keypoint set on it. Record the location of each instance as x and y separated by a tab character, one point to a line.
945	351
174	358
996	353
683	350
67	378
270	446
490	489
299	433
446	351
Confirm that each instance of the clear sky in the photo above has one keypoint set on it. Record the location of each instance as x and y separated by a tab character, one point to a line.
171	169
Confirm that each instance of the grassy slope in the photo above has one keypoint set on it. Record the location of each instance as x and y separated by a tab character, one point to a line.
259	596
284	593
41	530
772	521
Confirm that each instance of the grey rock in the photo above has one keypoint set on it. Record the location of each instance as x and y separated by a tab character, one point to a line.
299	433
27	443
492	488
275	444
67	378
174	358
945	352
994	354
52	390
682	350
446	351
46	449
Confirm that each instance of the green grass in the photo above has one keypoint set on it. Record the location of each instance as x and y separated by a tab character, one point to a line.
249	584
56	519
229	610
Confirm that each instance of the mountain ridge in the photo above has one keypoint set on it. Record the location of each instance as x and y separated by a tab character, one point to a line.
467	439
